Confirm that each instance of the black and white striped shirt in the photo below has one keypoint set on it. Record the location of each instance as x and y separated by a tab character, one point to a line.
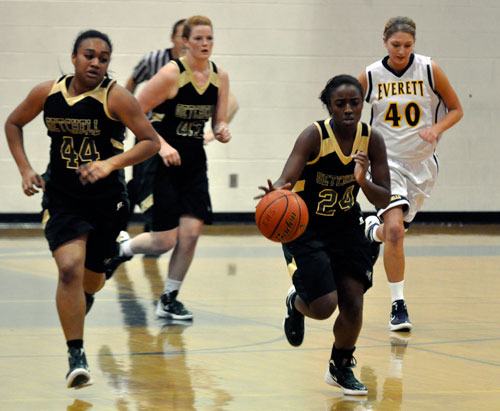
150	64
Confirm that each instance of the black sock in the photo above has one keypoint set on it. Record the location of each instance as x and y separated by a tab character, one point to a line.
342	357
75	344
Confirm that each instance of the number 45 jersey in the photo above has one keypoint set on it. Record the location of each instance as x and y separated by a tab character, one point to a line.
81	130
403	103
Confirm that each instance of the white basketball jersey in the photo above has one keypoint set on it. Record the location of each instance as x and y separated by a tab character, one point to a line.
402	105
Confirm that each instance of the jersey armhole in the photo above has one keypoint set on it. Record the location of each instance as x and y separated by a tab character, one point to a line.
370	86
320	135
106	109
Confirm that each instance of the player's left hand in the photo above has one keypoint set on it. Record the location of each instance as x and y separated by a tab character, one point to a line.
96	170
361	167
222	133
429	135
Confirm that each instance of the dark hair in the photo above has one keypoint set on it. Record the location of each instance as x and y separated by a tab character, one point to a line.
195	21
176	26
397	24
336	82
91	34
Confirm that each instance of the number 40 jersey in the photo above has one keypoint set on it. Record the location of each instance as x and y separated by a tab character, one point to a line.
403	103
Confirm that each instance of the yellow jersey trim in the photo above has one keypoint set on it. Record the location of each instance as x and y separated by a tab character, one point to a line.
98	93
188	77
299	186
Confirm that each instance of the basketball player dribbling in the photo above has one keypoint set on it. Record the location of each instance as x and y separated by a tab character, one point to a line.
331	263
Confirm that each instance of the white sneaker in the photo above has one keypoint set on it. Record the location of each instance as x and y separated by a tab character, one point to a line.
371	224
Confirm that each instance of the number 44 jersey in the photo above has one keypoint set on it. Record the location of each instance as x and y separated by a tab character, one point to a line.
82	130
404	103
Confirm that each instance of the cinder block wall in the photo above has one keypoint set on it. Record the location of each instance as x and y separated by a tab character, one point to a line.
279	55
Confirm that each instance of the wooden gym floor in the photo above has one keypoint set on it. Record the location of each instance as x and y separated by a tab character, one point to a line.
234	356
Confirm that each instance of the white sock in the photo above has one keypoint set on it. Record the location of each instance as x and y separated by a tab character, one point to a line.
374	234
126	248
172	285
397	290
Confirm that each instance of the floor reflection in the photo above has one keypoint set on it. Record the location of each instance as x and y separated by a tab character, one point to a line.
79	405
391	397
156	375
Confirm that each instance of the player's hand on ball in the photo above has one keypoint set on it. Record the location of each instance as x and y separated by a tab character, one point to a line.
270	187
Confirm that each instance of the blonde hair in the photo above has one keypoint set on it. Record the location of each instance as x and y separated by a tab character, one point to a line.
195	21
397	24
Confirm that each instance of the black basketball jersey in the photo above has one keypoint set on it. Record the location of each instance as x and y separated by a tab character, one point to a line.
81	130
327	183
181	120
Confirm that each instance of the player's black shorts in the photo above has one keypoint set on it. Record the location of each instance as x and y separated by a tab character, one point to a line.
321	260
67	219
178	191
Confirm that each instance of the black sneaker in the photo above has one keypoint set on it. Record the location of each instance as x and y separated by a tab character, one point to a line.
89	302
344	378
169	307
294	320
78	375
399	317
111	264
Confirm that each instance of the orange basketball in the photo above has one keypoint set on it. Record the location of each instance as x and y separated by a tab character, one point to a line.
281	216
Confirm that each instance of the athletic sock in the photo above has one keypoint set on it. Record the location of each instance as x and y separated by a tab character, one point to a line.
397	290
172	285
126	249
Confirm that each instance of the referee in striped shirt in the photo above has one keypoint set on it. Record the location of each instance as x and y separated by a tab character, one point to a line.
155	60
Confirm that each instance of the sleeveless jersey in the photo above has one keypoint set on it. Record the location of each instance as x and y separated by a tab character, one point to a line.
327	183
81	130
402	105
181	120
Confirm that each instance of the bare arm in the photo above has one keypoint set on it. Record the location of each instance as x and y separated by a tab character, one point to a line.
378	190
125	107
452	102
130	85
24	113
161	87
306	146
220	119
363	80
232	106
